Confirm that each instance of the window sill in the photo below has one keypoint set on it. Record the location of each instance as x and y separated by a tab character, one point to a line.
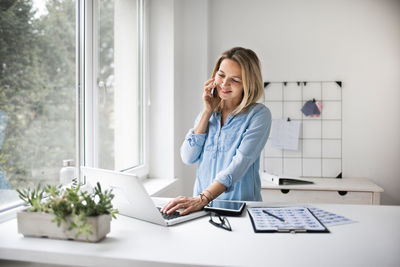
157	186
13	204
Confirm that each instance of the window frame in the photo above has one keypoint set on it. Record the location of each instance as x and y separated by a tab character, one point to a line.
86	150
10	211
85	62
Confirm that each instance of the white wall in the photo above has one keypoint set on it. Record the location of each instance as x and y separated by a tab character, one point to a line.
161	85
355	41
177	65
191	50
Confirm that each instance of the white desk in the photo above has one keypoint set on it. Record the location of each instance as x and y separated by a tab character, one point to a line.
373	241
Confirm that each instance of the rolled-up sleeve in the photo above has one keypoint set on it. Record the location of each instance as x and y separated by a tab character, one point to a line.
254	139
192	146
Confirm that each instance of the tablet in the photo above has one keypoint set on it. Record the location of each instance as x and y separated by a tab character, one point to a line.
226	207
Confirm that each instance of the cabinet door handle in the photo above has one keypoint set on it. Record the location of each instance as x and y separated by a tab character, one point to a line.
342	193
285	191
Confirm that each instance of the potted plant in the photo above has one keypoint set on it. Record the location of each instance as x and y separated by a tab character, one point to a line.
66	213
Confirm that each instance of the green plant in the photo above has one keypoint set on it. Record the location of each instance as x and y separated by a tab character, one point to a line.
70	202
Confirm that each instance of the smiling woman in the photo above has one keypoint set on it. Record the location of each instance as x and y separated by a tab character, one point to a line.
228	135
243	71
229	84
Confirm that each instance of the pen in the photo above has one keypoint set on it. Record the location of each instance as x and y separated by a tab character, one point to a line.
276	217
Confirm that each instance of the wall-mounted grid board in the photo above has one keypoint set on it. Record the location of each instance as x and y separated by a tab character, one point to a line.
320	142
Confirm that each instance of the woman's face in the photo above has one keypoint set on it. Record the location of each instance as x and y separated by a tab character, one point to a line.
229	81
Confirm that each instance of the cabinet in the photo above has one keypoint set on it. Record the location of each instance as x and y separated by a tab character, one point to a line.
324	190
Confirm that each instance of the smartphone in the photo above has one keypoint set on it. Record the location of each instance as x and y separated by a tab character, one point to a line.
214	92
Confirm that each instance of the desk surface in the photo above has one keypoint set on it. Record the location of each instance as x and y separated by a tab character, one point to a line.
373	241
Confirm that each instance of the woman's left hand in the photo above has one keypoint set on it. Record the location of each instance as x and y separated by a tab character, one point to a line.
185	204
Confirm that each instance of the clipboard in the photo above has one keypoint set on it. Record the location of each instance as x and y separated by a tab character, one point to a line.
294	219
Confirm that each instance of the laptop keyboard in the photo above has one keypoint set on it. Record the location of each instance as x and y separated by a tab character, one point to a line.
173	215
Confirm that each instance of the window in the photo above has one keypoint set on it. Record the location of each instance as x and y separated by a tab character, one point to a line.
114	95
37	93
71	87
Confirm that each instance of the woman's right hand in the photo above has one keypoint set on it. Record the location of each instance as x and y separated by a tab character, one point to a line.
210	101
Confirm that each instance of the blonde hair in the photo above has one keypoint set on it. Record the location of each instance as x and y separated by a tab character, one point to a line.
253	87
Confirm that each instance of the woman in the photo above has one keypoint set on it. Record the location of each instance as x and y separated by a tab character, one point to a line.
228	136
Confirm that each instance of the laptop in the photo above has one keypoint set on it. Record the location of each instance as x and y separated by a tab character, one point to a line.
131	198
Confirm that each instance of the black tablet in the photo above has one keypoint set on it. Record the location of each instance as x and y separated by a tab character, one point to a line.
226	207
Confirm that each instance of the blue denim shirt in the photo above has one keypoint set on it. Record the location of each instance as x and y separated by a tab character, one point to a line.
230	154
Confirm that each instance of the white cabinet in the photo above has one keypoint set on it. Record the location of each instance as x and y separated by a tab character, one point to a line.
324	190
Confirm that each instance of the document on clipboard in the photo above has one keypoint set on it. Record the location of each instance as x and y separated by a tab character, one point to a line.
285	220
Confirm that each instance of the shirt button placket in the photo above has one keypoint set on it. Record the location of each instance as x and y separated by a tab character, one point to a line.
217	142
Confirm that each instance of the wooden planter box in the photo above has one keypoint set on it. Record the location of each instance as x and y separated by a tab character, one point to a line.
39	224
